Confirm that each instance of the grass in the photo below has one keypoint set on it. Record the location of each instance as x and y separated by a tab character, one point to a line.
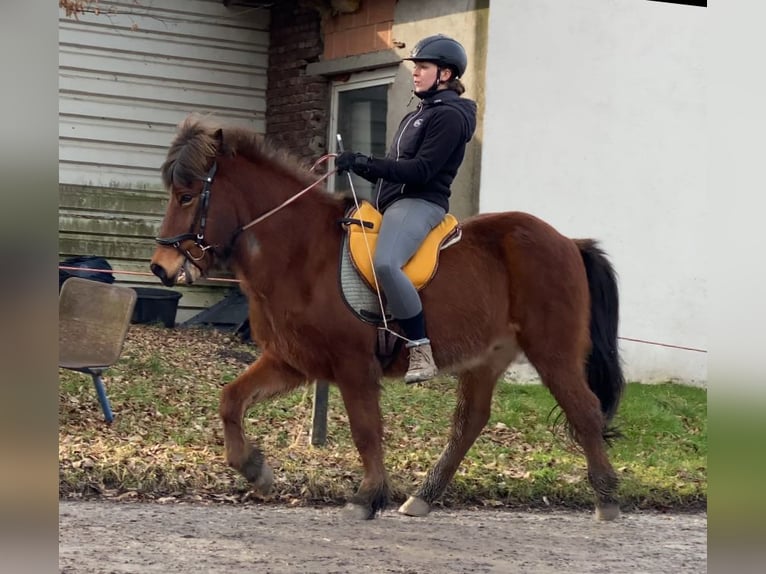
166	441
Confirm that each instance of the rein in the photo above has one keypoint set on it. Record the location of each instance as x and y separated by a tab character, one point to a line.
201	216
290	200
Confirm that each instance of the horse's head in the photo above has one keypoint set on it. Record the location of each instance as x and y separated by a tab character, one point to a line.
199	225
223	182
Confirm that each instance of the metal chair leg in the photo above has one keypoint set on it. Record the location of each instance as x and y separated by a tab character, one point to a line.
102	398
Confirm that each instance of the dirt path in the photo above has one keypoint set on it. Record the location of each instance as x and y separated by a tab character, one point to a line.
102	537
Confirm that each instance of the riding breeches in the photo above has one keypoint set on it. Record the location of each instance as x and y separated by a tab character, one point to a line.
406	223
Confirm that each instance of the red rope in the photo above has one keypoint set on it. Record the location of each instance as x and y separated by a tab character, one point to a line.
663	345
144	273
227	280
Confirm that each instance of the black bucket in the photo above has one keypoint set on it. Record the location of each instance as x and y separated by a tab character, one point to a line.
155	305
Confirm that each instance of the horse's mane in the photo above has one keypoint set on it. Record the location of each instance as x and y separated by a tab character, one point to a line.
201	138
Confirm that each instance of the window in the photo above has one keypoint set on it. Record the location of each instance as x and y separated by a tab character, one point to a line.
359	110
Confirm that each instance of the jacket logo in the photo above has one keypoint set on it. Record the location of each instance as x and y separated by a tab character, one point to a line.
417	123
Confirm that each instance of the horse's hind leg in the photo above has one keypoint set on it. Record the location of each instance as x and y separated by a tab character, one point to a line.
583	412
266	378
362	401
474	401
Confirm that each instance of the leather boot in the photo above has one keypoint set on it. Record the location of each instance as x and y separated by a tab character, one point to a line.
422	365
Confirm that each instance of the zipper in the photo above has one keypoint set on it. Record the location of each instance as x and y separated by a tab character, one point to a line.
398	143
377	195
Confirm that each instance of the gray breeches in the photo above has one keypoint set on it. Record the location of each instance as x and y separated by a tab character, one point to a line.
405	225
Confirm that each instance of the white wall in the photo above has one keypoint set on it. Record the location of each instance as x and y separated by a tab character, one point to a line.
595	121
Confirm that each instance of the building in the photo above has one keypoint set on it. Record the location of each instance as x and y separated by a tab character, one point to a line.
592	117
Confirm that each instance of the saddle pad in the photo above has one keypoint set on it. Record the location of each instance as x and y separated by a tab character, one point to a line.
421	266
356	292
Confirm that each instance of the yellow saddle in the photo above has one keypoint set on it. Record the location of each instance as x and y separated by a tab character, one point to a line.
420	268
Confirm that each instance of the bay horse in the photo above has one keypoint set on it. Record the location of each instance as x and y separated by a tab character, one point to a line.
512	284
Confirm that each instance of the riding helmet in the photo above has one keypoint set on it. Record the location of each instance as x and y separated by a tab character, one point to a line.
441	50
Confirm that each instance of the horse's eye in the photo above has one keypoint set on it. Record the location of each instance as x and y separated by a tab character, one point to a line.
185	198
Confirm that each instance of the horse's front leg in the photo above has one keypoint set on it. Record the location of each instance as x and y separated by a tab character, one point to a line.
267	377
362	401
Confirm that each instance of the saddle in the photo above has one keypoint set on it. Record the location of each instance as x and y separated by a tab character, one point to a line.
362	226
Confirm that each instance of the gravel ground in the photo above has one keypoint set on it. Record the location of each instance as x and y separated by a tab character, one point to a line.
107	537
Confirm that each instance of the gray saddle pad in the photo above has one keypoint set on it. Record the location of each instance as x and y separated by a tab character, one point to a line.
357	294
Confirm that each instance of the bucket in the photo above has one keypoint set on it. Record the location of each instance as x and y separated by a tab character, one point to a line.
154	305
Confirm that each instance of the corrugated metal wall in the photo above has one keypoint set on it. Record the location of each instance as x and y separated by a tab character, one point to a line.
127	76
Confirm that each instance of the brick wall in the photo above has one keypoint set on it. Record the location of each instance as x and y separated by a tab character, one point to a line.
366	30
297	105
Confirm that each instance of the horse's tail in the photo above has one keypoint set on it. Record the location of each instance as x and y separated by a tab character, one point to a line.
604	368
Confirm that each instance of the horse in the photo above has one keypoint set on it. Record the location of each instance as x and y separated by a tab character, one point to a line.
511	285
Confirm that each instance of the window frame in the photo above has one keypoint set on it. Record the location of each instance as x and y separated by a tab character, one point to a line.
356	81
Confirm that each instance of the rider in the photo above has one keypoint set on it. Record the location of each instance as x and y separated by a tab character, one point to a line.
413	182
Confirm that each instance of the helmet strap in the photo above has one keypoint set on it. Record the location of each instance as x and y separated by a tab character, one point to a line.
438	80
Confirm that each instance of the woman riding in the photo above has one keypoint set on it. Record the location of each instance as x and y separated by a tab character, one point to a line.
413	182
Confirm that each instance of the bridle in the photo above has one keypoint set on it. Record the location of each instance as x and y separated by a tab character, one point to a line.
200	219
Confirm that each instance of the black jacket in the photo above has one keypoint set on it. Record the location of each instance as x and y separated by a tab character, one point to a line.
426	151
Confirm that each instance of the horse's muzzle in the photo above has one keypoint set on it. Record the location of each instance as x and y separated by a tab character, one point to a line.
160	272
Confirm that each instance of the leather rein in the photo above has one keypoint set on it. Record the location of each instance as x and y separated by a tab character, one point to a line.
200	219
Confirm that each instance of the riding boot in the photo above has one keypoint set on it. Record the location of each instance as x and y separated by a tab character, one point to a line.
422	365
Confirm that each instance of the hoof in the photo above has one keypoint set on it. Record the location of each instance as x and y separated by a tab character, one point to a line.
258	473
607	512
357	512
265	480
415	507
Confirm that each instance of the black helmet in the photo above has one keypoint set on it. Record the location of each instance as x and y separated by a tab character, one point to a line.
443	51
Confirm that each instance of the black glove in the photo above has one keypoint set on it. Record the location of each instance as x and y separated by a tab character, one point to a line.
349	160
